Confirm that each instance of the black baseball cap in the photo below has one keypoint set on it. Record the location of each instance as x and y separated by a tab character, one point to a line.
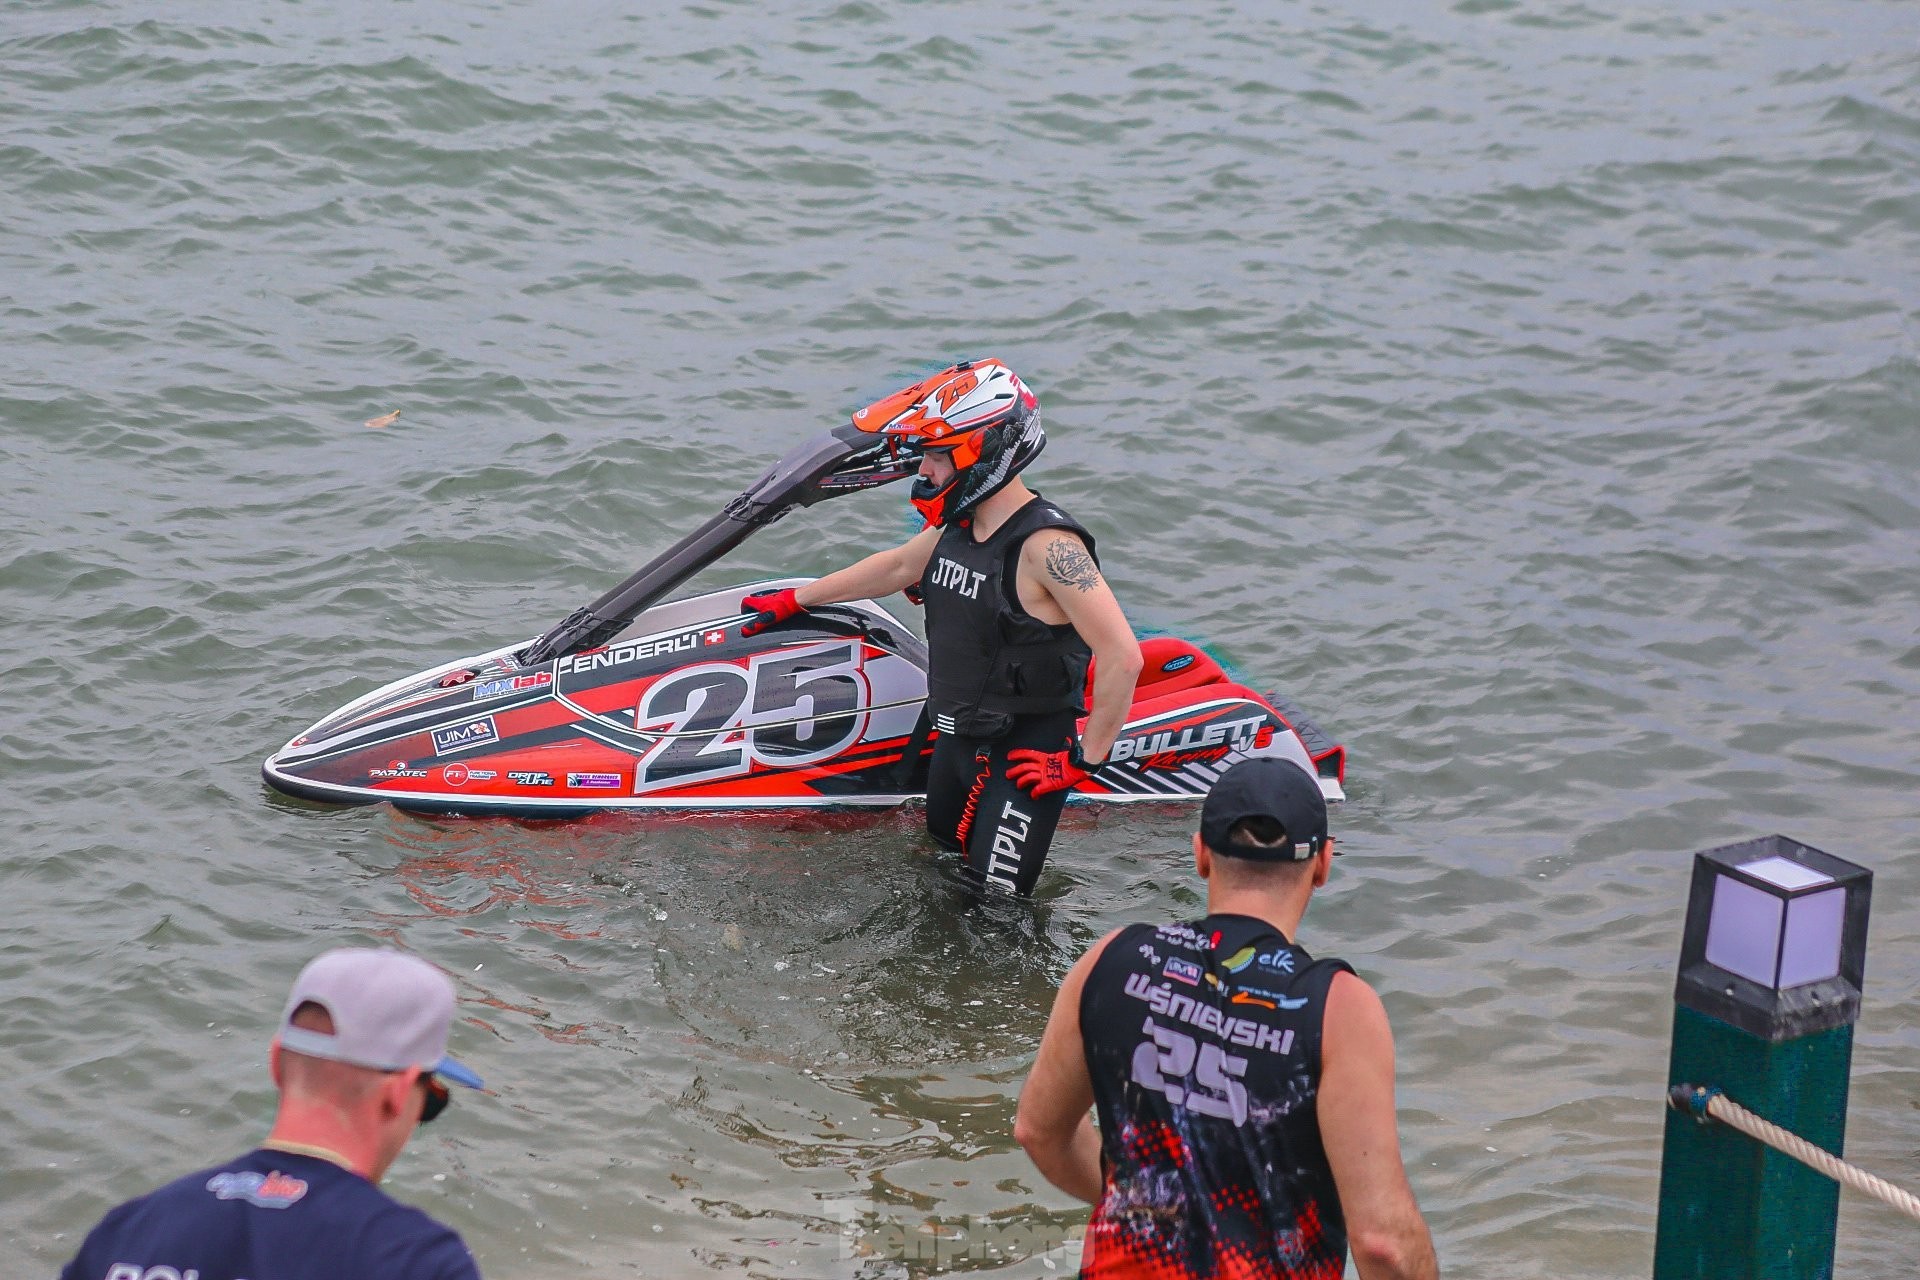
1266	787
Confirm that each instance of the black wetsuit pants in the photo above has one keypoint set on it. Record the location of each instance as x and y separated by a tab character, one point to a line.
976	810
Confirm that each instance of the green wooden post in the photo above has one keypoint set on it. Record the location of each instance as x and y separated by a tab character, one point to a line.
1771	964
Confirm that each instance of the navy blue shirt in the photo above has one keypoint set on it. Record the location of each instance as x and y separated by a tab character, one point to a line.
272	1215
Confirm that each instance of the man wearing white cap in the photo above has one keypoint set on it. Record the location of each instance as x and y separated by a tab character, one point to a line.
360	1061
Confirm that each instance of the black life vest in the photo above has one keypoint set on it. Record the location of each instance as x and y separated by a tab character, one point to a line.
989	658
1203	1044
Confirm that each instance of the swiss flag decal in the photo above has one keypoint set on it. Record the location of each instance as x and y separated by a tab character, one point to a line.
713	637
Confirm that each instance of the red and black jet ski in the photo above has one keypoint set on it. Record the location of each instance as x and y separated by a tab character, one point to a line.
628	703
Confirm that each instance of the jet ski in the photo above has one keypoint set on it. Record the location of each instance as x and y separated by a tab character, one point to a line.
636	701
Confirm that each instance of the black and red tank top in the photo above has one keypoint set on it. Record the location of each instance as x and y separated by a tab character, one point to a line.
989	658
1203	1043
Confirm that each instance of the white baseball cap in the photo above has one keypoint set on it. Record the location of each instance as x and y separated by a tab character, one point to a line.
390	1011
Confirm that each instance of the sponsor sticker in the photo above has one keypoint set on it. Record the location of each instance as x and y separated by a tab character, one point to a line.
1180	663
397	769
511	684
1243	734
265	1190
1280	960
620	655
594	781
529	778
458	775
459	737
1180	936
1172	760
1183	971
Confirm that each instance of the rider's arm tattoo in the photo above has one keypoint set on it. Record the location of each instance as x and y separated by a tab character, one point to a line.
1069	564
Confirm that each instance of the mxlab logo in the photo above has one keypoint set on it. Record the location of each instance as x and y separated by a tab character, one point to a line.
511	684
1166	750
474	733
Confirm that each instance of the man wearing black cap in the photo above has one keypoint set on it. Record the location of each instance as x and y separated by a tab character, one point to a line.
1245	1089
360	1061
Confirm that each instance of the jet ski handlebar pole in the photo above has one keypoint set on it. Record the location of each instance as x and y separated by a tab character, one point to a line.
838	462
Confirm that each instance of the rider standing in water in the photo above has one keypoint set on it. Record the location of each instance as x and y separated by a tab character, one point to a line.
1016	606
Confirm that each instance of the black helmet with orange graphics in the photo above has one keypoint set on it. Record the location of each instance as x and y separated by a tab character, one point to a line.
978	409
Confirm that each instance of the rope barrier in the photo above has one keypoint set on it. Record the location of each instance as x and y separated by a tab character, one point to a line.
1703	1101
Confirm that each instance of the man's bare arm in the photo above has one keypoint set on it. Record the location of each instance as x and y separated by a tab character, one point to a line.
1069	564
1053	1125
880	574
1060	562
1361	1134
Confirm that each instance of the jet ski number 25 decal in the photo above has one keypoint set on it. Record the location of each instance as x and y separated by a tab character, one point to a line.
786	708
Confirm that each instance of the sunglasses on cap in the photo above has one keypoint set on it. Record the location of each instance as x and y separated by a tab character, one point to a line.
438	1096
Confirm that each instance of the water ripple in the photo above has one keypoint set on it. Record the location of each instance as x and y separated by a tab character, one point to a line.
1525	389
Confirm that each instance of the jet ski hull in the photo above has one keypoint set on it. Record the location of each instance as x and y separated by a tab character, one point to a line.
681	711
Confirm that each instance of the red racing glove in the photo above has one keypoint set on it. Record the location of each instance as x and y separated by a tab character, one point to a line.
769	608
1041	773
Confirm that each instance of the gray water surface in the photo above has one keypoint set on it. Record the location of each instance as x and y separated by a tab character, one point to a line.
1526	388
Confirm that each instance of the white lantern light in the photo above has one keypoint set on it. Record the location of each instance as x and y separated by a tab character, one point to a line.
1776	936
1784	932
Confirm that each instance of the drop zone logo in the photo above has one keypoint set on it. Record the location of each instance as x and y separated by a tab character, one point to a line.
781	710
